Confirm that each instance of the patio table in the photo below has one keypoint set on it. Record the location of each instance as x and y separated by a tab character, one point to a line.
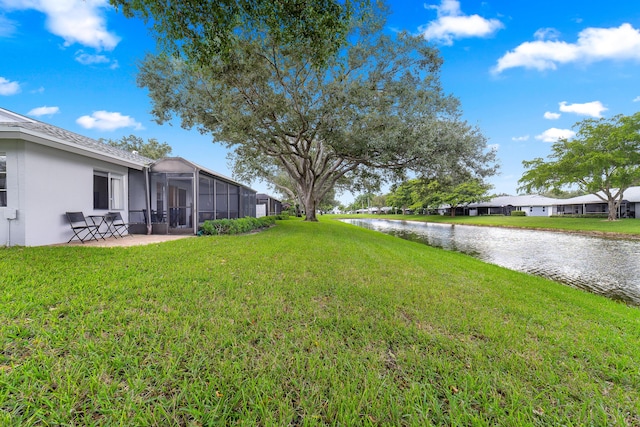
99	221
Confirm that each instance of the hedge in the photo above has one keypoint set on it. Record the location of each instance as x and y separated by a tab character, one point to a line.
235	226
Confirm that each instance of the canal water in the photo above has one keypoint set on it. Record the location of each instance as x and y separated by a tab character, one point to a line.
609	267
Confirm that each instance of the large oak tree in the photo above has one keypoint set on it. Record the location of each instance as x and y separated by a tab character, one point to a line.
375	110
200	29
603	159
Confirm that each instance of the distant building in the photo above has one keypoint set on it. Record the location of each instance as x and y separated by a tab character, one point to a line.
267	205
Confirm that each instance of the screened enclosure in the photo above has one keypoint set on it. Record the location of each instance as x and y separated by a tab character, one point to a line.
184	195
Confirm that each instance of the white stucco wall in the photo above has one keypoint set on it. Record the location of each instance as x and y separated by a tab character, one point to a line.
43	184
538	210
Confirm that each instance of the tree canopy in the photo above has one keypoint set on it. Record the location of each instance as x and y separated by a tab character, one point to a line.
151	149
456	194
375	111
200	30
603	159
424	193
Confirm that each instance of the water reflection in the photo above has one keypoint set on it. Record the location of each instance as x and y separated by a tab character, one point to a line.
608	267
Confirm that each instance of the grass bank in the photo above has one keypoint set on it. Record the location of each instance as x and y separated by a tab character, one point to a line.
596	225
305	324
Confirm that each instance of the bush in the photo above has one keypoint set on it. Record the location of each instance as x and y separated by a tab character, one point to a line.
518	213
235	226
593	215
281	216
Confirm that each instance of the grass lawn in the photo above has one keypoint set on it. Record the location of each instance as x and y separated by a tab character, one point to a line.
624	226
305	324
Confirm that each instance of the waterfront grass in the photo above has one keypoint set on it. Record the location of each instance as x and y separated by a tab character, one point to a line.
305	324
597	225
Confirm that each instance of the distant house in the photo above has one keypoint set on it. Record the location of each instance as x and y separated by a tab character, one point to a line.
46	171
591	204
532	205
535	205
267	205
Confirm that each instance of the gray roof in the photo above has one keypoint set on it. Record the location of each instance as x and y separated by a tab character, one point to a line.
10	121
631	194
526	200
167	164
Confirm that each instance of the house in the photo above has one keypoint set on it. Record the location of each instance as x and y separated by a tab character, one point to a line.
591	204
46	171
267	205
532	205
535	205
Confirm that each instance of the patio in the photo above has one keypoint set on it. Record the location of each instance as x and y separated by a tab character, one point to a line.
130	240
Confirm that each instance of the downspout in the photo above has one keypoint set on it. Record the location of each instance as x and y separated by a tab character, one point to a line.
147	217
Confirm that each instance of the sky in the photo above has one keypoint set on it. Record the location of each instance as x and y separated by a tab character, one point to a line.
525	72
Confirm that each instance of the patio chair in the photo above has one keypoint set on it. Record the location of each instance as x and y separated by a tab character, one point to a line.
118	226
82	230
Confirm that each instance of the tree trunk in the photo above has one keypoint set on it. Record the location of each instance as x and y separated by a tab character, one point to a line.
453	212
613	209
310	209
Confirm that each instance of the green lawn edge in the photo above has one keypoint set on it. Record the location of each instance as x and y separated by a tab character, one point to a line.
305	324
628	227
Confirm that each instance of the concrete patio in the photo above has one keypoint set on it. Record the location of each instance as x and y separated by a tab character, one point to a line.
130	240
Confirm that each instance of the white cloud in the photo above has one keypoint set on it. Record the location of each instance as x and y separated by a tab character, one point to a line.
8	88
594	44
554	134
551	116
43	111
105	120
76	21
7	27
547	34
493	147
592	109
520	138
453	24
636	99
88	59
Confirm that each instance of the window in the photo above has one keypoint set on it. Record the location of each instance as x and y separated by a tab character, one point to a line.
108	191
3	179
117	192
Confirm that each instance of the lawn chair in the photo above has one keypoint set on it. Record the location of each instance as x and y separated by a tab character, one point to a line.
82	230
117	224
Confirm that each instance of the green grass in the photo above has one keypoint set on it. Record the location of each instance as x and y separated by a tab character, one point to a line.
305	324
624	226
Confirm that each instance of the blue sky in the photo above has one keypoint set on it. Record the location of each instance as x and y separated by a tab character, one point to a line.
525	72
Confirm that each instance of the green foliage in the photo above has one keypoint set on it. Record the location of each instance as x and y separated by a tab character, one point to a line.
593	215
417	194
305	324
603	157
151	149
518	213
374	112
236	226
199	31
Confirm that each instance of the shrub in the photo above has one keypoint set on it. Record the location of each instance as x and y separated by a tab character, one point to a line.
518	213
281	216
235	226
593	215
